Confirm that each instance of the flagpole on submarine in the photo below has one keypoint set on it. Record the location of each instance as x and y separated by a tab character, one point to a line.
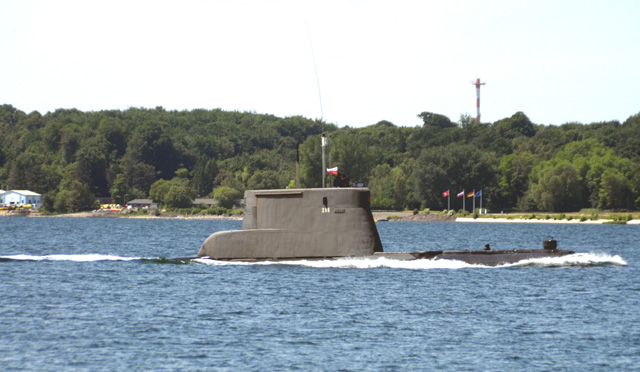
324	143
298	165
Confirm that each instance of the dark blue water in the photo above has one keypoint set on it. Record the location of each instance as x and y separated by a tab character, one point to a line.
89	295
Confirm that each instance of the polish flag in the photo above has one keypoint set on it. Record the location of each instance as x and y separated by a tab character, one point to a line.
333	170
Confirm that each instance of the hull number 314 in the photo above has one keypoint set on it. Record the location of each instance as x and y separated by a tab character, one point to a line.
337	210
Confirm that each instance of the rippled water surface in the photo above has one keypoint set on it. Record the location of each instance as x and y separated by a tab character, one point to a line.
91	294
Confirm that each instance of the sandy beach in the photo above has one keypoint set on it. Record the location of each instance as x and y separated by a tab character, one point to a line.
435	217
522	220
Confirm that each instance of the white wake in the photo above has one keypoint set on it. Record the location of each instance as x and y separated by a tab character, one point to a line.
69	257
576	259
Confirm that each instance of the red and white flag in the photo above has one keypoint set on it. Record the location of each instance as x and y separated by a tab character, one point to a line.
333	170
461	193
445	194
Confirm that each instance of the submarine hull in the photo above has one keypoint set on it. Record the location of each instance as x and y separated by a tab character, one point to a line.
328	223
486	258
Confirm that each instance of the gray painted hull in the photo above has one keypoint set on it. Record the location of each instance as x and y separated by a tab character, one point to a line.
491	258
486	258
330	223
309	223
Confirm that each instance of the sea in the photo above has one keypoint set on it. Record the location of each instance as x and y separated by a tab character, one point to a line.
97	294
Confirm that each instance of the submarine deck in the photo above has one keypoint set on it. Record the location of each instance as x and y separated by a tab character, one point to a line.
487	258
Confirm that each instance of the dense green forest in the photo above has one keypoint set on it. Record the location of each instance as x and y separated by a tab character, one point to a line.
72	157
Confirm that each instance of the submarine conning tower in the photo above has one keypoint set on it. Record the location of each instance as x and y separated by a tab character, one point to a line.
299	223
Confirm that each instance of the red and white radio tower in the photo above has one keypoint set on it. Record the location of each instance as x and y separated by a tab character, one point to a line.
477	83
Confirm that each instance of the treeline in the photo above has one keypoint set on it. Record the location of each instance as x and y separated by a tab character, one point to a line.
72	157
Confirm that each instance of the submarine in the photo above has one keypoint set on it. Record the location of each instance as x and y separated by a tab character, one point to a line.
330	223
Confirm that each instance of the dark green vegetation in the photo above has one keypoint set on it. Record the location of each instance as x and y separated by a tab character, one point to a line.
71	157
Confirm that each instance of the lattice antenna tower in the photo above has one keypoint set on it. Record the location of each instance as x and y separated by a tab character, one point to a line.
477	83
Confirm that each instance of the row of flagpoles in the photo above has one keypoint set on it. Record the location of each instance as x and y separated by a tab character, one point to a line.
472	194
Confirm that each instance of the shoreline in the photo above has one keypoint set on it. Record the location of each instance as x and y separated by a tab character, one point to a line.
574	221
381	216
125	216
435	217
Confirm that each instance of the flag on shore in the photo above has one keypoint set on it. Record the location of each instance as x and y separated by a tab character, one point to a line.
333	170
471	194
445	194
461	193
478	194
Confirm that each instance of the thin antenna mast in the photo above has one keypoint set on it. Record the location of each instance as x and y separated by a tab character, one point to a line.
324	140
316	69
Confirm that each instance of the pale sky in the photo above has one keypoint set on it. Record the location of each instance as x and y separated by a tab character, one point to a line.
557	61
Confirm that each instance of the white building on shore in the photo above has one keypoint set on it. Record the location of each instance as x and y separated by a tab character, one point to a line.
21	197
